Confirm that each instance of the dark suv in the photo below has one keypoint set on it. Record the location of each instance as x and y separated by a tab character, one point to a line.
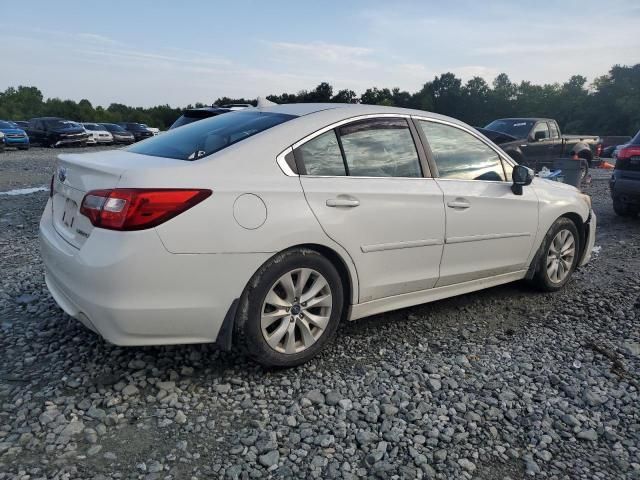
625	181
139	131
56	132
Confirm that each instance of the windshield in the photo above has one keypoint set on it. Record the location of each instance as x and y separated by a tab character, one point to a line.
91	126
112	127
57	123
208	136
4	124
514	127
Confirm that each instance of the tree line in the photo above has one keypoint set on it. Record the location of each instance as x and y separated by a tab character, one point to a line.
608	106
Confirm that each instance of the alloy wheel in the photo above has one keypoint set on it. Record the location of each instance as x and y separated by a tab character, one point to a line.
560	256
296	311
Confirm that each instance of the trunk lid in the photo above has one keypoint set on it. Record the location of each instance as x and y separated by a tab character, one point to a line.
73	177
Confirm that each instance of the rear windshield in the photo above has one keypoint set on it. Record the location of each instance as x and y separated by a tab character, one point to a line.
516	128
208	136
112	127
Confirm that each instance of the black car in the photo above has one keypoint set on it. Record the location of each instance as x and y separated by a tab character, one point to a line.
191	115
23	124
56	132
625	181
608	144
139	131
120	135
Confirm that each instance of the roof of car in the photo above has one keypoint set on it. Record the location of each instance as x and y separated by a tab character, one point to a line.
528	119
351	109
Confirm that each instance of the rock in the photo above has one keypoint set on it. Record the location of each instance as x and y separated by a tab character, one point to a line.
466	464
434	384
332	398
130	390
270	458
223	388
96	413
364	437
180	417
345	404
315	396
589	434
94	450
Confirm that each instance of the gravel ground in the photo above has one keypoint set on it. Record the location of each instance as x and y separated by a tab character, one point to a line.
33	167
504	383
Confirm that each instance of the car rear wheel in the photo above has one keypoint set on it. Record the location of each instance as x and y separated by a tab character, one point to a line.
291	309
558	256
623	209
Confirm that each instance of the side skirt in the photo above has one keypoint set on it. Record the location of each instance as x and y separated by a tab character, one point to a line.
425	296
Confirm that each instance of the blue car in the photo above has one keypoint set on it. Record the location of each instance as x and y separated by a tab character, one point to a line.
14	136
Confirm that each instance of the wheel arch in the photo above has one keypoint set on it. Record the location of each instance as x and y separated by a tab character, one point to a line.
581	227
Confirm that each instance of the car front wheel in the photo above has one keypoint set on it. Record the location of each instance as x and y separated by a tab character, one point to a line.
291	309
558	256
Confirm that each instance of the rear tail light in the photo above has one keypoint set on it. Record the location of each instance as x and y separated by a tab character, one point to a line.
629	152
138	209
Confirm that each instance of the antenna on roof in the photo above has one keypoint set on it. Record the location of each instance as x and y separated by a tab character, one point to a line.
263	102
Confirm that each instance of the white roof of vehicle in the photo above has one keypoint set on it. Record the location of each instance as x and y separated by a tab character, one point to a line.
350	109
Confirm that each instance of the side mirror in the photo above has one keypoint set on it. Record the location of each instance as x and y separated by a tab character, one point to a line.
522	176
539	136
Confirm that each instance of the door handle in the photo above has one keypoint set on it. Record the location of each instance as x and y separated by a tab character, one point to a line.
459	204
343	202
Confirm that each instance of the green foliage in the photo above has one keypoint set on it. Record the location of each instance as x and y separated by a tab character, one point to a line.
610	106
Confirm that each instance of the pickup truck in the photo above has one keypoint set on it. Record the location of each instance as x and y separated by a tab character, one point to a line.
537	142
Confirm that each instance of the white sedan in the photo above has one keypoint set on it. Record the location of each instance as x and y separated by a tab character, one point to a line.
97	134
266	227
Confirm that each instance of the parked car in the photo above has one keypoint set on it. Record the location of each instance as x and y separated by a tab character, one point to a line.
56	132
120	135
154	130
267	226
607	145
14	136
538	142
191	115
625	181
99	133
23	124
237	106
139	131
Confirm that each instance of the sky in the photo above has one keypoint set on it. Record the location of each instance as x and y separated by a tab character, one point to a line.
145	53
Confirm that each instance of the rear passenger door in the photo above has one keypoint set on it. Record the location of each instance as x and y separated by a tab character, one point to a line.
364	181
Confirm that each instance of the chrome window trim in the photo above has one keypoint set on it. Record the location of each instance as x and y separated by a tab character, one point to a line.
284	166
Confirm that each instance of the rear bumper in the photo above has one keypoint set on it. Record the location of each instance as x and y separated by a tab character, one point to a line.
129	289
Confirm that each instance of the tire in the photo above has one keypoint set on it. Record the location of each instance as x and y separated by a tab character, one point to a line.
267	285
546	278
623	209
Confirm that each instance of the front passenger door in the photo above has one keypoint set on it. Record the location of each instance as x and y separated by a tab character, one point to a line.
489	230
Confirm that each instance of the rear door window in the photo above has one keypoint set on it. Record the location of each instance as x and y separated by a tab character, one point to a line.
555	133
200	139
381	147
